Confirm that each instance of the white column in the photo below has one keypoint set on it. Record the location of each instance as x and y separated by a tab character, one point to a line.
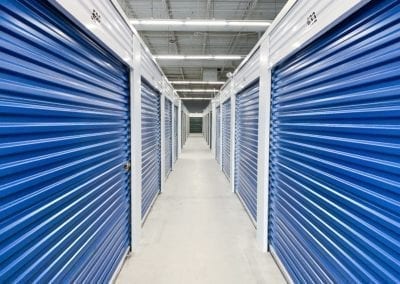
221	111
179	128
263	147
233	144
162	114
136	146
173	134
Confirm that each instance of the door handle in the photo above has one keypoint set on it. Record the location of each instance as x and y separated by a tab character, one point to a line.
127	166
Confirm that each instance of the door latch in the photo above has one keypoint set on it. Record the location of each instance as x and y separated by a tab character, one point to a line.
127	166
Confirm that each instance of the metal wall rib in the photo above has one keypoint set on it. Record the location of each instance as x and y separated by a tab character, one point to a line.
246	148
64	141
151	147
226	138
335	158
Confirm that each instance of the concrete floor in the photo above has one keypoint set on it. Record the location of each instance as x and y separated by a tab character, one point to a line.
198	231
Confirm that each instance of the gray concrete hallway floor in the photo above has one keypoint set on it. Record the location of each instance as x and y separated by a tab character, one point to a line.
198	231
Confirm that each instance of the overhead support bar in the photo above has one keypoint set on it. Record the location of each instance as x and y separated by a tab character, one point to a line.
199	25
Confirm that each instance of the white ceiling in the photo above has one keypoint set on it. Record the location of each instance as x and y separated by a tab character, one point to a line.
200	42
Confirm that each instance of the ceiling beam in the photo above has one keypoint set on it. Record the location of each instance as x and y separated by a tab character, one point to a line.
250	6
173	35
205	36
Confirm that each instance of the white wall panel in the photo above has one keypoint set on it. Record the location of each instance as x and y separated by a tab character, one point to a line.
104	21
301	21
226	92
150	70
248	73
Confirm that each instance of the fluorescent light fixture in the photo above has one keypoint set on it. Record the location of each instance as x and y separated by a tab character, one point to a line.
249	23
158	22
170	57
205	22
227	57
197	82
196	99
198	90
213	23
198	57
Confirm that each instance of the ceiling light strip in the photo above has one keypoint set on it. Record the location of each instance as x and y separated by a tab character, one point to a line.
196	99
197	90
198	57
197	82
208	23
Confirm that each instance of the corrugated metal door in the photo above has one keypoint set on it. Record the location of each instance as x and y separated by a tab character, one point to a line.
226	138
168	137
246	152
176	133
151	147
196	125
335	153
218	135
64	141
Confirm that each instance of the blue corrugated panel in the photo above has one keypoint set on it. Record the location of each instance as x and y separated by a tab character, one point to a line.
151	147
64	141
246	148
168	137
226	138
176	112
335	153
218	135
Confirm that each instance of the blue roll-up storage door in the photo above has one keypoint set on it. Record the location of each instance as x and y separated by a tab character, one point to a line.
64	141
151	147
176	133
218	135
226	138
246	148
335	153
168	137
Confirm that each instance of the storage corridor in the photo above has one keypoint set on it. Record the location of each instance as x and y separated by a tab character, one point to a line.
198	231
